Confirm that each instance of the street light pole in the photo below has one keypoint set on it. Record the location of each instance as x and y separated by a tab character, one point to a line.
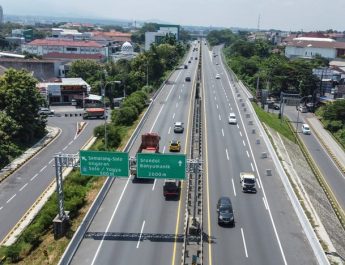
105	113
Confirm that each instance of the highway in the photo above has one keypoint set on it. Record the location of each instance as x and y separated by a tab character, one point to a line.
267	230
334	177
135	224
20	190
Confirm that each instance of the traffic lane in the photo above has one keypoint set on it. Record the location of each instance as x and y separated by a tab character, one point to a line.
334	177
248	208
137	198
20	190
295	245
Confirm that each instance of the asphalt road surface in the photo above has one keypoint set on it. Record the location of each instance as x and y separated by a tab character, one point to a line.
135	224
267	230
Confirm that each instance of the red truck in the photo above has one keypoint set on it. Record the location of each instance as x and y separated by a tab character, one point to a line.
149	144
92	113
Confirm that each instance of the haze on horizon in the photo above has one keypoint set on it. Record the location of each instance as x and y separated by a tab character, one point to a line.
306	15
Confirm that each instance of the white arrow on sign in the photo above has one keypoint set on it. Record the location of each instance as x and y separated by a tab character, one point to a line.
84	158
180	163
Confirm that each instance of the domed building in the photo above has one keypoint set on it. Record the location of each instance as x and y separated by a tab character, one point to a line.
127	52
127	47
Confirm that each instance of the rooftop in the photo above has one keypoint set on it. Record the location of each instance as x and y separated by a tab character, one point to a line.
59	42
302	43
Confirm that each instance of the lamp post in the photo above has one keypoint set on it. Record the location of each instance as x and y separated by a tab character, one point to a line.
105	113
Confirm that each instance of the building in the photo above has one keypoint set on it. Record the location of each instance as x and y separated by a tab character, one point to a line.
64	90
126	53
1	15
66	49
308	47
155	37
71	34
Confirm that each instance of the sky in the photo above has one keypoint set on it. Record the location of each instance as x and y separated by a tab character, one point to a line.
306	15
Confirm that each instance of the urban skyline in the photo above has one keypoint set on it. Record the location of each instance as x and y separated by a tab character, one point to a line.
294	15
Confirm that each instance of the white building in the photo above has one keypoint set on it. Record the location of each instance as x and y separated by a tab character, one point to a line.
306	47
64	90
73	34
66	49
155	37
126	52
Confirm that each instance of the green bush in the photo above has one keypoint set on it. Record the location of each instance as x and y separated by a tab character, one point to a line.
13	253
334	126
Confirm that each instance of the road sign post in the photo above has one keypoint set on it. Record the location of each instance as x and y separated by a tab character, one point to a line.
99	163
161	166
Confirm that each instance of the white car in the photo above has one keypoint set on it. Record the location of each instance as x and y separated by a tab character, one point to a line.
232	118
217	76
305	128
46	111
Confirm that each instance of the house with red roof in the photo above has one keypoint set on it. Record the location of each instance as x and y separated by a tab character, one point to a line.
66	49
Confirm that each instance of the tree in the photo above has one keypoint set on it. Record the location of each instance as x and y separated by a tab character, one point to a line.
20	100
90	71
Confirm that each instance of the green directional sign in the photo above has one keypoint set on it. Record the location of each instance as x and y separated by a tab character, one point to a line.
99	163
161	166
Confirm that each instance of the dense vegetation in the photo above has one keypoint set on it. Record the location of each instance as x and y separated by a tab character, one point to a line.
333	118
166	56
20	124
261	61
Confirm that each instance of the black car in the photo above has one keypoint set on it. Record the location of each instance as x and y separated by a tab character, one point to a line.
225	212
272	105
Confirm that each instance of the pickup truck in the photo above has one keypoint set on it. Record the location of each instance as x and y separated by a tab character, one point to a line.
248	182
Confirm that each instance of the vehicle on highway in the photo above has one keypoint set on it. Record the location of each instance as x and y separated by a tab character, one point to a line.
185	66
217	76
187	79
305	129
225	211
232	118
94	113
196	58
189	61
149	144
302	109
171	188
273	105
46	111
178	127
217	63
174	146
247	180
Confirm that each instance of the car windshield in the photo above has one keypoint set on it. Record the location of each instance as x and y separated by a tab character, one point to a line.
224	209
249	181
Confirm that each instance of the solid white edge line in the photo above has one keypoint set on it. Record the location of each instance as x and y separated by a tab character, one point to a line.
23	187
110	221
227	155
244	243
233	185
10	199
141	233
